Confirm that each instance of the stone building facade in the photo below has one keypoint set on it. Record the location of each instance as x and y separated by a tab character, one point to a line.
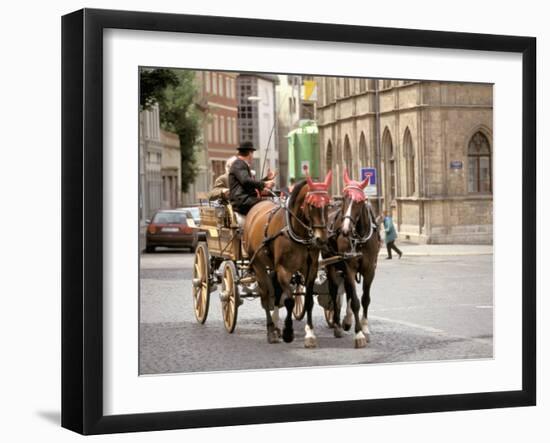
431	143
159	168
150	152
170	170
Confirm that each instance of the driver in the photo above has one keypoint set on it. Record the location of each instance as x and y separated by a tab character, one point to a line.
244	189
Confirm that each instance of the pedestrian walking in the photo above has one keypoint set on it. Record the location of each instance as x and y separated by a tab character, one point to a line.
391	236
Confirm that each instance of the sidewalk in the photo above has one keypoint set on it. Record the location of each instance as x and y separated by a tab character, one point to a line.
413	249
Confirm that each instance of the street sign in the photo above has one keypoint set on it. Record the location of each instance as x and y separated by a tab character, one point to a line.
371	187
456	164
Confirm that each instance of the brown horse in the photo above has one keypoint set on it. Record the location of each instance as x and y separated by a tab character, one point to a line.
283	243
354	236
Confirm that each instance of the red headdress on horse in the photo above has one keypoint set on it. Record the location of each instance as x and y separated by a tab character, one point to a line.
354	189
318	191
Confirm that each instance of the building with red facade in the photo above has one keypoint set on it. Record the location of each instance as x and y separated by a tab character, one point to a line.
218	91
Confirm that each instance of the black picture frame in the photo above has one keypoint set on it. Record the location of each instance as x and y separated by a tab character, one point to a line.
82	218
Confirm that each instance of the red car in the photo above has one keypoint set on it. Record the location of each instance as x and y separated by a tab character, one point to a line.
169	228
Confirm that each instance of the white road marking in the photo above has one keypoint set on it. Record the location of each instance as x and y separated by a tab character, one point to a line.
484	341
417	307
408	323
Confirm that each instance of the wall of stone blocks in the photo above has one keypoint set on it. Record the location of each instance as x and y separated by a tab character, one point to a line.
441	118
460	221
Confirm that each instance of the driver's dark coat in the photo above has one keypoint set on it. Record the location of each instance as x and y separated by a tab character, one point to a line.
242	187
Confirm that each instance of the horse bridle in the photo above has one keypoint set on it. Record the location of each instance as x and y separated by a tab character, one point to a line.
355	236
309	228
323	208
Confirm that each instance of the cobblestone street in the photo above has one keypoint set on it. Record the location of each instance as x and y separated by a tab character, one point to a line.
431	305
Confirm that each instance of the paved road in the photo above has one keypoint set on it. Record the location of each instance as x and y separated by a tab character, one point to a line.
424	308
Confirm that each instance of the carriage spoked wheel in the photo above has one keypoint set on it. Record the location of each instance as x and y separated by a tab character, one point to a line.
229	296
299	302
201	283
329	317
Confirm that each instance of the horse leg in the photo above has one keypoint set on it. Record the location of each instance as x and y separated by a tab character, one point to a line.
266	293
333	290
348	318
365	301
278	291
284	277
272	336
349	283
275	317
288	331
310	339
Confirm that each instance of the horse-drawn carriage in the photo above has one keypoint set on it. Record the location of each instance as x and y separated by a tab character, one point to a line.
221	263
244	264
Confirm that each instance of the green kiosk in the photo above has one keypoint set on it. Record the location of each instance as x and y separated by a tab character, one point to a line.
303	150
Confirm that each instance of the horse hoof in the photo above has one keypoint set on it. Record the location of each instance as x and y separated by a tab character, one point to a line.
288	335
338	331
310	343
272	337
278	332
346	326
360	343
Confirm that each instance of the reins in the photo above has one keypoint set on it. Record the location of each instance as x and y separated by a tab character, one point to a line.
310	239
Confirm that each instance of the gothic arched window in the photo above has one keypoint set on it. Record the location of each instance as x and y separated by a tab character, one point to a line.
389	166
347	156
364	152
408	153
479	164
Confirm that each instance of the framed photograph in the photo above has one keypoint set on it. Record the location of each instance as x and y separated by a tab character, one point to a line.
269	221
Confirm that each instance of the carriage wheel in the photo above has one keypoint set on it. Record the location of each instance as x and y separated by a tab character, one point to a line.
299	303
229	296
201	283
329	317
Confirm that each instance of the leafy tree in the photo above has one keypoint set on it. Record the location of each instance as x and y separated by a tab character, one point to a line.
179	114
152	85
174	90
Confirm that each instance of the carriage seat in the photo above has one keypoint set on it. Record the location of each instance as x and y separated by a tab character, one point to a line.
234	219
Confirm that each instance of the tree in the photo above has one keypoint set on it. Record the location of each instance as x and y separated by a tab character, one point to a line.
153	83
180	115
174	90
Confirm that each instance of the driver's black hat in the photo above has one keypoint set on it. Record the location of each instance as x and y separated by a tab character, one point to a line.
246	147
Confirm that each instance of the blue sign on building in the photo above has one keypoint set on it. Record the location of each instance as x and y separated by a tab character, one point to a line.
369	171
371	189
456	164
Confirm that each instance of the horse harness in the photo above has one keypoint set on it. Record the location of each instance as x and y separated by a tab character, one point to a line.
355	238
287	229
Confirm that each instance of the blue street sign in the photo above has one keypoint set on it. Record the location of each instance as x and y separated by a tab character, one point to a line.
456	164
369	171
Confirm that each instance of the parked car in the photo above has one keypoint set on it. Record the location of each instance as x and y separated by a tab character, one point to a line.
195	213
169	228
